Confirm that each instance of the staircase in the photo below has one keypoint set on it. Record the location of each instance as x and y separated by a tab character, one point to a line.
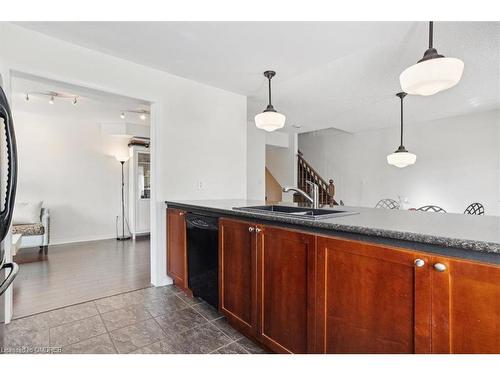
305	172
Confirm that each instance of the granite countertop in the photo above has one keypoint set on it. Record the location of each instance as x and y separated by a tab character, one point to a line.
469	232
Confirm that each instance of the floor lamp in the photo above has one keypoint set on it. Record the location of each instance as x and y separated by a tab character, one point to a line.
122	159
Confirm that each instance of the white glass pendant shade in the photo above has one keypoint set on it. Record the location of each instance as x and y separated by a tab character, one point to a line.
431	76
401	159
270	121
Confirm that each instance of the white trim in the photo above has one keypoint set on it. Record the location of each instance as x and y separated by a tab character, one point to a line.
157	211
158	272
63	241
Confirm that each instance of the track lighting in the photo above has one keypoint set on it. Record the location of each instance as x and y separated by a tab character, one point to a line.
51	101
75	100
122	116
27	98
142	116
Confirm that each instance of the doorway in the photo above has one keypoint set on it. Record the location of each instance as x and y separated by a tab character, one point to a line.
71	142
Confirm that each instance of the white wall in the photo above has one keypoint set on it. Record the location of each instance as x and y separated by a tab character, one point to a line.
198	132
63	162
457	163
256	161
281	161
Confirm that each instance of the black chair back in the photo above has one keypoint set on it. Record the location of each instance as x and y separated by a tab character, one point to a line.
388	203
474	209
431	208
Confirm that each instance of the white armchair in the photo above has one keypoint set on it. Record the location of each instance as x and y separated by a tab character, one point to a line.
36	234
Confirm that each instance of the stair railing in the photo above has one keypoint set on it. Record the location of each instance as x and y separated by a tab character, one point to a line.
305	172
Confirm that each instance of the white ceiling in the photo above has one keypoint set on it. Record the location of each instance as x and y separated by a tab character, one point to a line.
93	105
330	74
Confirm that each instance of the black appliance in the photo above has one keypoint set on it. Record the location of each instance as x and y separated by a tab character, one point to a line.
8	271
202	253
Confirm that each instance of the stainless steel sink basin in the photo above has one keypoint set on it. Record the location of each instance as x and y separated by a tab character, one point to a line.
303	212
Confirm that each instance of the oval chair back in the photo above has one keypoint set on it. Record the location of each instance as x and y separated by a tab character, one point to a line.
388	203
431	208
474	209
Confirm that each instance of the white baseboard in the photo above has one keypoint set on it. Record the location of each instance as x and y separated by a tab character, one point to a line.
165	280
63	241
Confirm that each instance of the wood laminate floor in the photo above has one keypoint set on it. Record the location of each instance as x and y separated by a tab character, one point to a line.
79	272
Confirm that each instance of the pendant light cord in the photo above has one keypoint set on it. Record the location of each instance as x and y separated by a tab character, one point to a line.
431	32
401	120
269	88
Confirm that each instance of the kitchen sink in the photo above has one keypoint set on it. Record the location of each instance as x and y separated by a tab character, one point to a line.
303	212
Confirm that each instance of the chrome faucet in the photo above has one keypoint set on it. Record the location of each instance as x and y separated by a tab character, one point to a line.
313	195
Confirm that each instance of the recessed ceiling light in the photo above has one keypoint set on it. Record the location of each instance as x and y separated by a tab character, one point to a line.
143	116
475	102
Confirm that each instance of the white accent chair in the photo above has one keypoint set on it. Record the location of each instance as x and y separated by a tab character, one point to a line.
35	234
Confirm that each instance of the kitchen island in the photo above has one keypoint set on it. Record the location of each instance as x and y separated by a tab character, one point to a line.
378	281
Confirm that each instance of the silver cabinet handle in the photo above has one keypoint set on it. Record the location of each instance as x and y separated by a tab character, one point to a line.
440	267
251	229
419	262
258	230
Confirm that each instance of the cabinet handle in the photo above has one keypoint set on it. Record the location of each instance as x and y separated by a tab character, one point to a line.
251	229
440	267
258	230
419	262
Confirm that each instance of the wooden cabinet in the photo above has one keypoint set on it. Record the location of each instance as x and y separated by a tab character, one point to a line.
285	270
371	299
263	283
300	293
176	248
237	274
465	307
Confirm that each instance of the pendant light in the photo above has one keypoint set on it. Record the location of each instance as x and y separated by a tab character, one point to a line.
433	73
401	158
270	120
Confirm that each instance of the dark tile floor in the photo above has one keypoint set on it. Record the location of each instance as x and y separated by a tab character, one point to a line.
147	321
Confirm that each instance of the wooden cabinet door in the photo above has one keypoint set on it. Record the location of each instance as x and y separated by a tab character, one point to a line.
465	307
237	273
285	271
371	299
176	247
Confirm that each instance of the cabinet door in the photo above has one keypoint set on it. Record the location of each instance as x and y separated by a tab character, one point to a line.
371	299
286	265
176	247
237	275
465	307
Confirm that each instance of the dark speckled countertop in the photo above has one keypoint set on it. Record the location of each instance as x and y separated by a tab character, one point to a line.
458	231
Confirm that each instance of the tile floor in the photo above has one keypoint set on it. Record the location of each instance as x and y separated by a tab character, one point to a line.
147	321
